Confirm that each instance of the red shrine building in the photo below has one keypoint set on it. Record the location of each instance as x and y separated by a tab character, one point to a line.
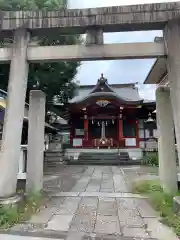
110	116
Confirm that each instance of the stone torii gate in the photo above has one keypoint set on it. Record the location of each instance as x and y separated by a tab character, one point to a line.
22	26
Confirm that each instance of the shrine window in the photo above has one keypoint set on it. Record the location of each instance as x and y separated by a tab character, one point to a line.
66	137
78	126
129	129
79	132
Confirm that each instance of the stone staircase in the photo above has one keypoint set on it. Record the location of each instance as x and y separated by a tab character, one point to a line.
53	158
95	158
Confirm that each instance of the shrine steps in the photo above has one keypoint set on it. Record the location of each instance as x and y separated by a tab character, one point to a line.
101	158
52	158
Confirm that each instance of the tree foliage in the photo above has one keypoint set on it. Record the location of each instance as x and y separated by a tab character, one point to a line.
52	78
8	5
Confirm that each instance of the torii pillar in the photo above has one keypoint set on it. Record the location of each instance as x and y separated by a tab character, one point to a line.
172	43
166	140
35	155
13	121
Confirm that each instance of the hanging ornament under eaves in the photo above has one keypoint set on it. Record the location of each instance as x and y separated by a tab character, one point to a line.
150	119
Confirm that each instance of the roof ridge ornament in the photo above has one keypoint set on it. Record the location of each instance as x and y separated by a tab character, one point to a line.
102	79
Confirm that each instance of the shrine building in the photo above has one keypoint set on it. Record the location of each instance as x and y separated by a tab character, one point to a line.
110	116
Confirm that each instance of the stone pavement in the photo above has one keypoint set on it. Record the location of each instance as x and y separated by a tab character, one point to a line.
94	203
14	237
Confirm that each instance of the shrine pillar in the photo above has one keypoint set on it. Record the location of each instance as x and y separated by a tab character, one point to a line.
86	127
14	114
166	141
172	39
120	127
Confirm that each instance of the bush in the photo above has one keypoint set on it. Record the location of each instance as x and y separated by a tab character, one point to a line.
147	186
162	202
10	214
151	159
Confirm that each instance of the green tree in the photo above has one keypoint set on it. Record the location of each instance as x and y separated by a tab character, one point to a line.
53	78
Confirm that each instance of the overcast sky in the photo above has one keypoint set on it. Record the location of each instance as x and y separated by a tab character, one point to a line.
119	71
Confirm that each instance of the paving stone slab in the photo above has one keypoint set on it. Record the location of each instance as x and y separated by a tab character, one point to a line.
135	232
47	211
108	181
92	189
85	217
119	183
128	213
107	225
13	237
99	236
107	207
83	223
106	190
146	211
126	203
79	188
87	205
109	193
60	222
43	216
69	206
75	236
55	202
43	233
115	195
64	194
27	227
65	235
159	230
130	218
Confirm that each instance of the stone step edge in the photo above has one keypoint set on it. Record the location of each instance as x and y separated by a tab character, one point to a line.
51	234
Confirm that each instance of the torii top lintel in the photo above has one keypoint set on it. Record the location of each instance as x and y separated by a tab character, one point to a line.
78	21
